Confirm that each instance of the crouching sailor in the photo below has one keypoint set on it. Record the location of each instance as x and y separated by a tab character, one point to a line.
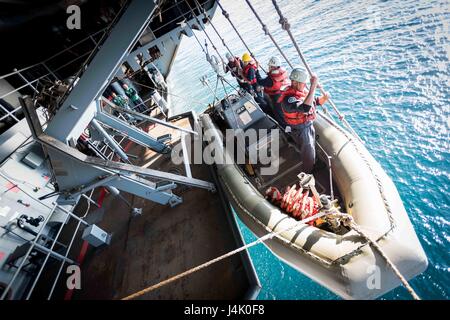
299	111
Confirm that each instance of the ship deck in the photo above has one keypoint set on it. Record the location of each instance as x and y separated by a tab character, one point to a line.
162	242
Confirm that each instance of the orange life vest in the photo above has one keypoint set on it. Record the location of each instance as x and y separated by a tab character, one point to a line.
279	79
247	69
296	117
234	67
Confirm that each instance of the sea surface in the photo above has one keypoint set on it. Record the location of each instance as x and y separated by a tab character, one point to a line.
386	65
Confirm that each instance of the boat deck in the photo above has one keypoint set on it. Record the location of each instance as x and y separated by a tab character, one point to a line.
289	168
165	241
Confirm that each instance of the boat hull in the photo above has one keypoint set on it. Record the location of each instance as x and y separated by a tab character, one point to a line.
346	265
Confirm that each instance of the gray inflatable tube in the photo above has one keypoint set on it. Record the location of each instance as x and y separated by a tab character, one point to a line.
346	265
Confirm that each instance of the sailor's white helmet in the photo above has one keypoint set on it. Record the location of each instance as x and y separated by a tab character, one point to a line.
274	62
299	75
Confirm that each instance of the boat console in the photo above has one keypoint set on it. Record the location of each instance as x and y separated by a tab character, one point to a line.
241	112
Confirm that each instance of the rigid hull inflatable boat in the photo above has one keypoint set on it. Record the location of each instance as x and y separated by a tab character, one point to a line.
339	259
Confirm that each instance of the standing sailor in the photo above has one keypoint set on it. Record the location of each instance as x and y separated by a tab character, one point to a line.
299	110
235	66
132	95
276	81
249	73
251	84
122	102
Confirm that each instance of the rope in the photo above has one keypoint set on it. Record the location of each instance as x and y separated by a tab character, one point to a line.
167	92
345	218
215	92
375	176
212	25
91	55
287	27
375	245
208	57
227	16
241	145
204	31
222	257
232	86
267	33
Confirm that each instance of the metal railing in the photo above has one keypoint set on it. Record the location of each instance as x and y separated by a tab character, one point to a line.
48	248
32	83
38	67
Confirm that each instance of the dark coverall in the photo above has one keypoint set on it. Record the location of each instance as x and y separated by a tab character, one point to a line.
303	134
233	69
272	101
253	90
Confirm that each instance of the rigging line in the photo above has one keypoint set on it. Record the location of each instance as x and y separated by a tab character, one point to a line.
215	92
262	239
227	16
190	27
160	27
388	261
240	141
167	92
267	33
198	41
212	25
241	144
92	54
235	88
204	31
286	26
228	98
205	50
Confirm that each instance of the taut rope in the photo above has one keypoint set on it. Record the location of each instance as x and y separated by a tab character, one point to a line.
286	26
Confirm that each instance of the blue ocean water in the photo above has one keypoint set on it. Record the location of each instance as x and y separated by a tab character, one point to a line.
386	64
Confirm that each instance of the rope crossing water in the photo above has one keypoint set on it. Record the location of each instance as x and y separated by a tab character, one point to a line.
227	16
212	25
224	256
286	26
346	219
267	33
375	245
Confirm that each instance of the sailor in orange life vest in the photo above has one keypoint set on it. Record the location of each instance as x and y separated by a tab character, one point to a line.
250	82
276	81
299	110
234	66
249	73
